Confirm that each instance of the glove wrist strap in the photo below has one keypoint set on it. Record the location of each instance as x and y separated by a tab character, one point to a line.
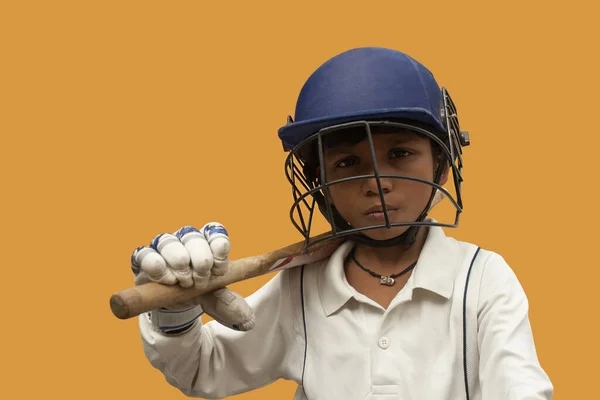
175	321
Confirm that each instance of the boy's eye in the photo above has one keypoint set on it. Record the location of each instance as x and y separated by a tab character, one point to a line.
399	153
346	162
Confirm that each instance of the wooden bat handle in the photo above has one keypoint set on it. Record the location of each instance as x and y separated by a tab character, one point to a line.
143	298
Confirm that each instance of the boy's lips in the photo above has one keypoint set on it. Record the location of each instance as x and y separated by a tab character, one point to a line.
378	209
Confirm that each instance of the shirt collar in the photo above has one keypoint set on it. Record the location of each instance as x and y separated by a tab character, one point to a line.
435	270
334	289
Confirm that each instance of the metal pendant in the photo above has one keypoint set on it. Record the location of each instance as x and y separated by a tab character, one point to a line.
387	280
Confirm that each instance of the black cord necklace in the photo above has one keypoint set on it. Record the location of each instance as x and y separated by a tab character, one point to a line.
384	280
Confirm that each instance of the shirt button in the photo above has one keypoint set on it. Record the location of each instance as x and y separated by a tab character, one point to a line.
384	342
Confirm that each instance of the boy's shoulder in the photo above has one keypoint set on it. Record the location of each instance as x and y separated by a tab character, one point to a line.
469	247
493	265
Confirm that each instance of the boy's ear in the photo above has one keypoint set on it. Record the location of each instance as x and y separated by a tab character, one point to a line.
444	177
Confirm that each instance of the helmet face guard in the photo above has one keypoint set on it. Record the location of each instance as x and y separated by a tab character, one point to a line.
309	188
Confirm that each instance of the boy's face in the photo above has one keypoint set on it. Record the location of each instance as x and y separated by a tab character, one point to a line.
399	153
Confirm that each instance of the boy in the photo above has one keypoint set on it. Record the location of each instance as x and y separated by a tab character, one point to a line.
386	316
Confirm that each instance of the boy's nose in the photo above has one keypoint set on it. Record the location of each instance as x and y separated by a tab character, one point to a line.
370	186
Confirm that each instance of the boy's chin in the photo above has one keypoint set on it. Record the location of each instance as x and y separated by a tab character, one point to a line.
385	233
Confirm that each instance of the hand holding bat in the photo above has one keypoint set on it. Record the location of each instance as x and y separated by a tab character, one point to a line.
184	261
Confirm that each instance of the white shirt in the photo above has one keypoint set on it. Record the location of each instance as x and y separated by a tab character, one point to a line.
338	344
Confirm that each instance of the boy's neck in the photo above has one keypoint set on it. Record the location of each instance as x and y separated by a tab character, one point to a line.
390	259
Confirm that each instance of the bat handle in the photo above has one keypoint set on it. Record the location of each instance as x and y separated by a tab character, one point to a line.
149	296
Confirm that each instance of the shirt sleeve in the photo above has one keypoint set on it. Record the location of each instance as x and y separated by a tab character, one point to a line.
509	368
213	361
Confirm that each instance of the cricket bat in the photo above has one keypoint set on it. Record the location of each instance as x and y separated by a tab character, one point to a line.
150	296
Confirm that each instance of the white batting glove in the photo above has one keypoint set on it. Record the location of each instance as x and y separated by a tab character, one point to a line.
188	258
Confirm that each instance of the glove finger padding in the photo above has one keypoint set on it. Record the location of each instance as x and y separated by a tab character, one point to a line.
200	253
176	256
220	245
228	308
149	266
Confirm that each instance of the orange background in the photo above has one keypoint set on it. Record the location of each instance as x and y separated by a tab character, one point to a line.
120	120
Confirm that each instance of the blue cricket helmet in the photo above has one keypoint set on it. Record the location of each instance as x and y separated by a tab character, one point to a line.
364	84
369	87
